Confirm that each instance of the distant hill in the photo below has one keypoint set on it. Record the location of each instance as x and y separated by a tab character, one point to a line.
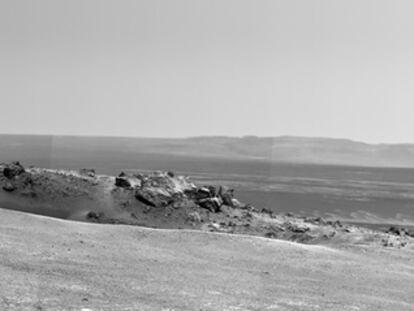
275	149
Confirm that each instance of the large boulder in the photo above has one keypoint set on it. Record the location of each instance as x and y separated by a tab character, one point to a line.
161	189
212	204
122	182
155	197
226	195
13	169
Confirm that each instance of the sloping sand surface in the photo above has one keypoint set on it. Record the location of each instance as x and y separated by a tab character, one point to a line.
53	264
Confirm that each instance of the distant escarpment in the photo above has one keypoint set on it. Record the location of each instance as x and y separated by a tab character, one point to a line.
165	200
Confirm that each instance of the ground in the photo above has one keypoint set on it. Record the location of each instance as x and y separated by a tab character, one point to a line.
53	264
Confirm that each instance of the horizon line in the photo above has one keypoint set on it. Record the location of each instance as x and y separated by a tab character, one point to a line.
209	136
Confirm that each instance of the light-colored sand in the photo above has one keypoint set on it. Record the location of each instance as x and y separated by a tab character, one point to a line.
52	264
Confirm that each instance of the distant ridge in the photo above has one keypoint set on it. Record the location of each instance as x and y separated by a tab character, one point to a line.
286	149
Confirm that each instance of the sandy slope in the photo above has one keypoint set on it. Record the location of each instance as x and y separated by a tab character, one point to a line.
52	264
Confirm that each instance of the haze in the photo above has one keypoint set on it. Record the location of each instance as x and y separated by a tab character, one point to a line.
187	68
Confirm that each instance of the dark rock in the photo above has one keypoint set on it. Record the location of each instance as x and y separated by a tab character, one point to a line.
337	224
9	187
202	193
94	216
170	174
13	169
271	235
397	231
266	211
213	191
88	172
122	182
212	204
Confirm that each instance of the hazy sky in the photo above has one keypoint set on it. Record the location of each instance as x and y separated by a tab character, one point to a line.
217	67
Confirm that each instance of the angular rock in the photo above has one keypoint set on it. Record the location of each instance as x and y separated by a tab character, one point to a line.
154	197
122	182
226	195
212	204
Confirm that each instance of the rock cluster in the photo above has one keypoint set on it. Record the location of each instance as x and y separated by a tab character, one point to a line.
13	169
14	175
161	189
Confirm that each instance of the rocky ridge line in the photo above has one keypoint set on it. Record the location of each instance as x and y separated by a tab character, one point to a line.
165	200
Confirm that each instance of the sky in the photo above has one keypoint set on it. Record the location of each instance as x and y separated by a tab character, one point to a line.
179	68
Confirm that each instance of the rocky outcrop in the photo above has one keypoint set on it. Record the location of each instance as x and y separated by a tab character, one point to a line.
167	200
13	169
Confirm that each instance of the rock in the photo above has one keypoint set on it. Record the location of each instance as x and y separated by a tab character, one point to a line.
88	172
154	197
297	229
170	174
212	204
122	182
397	231
266	211
202	193
26	179
13	169
94	216
271	235
9	187
316	221
337	224
194	217
236	203
226	195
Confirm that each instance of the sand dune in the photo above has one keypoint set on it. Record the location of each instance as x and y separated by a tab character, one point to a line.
53	264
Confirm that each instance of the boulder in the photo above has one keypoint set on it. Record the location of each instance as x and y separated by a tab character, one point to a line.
13	169
122	182
226	195
212	204
93	216
87	172
202	193
154	197
9	187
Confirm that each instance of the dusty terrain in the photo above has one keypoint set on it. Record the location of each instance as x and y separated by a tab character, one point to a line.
52	264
